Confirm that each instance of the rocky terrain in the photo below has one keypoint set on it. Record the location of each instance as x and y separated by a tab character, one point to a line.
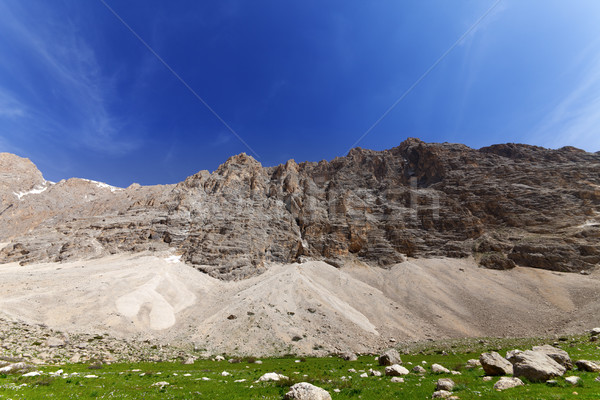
503	205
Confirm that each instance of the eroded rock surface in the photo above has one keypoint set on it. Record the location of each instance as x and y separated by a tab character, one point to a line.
505	205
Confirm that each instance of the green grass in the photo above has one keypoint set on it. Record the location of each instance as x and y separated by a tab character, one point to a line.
119	381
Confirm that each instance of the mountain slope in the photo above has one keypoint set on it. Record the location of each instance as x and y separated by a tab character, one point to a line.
504	205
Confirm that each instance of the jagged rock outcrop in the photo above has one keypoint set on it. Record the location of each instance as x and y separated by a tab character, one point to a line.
505	205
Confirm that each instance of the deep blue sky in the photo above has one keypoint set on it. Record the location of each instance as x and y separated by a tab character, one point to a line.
80	95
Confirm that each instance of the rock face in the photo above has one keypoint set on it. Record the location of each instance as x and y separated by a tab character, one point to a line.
494	364
536	366
505	205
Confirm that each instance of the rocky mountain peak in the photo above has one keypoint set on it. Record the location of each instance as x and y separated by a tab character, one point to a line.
504	205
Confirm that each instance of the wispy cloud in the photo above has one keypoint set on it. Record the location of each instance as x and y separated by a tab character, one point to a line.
575	120
61	88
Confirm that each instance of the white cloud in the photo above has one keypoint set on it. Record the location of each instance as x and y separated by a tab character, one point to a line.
78	113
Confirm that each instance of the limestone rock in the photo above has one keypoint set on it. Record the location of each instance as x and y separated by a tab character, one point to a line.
445	384
439	369
573	380
536	366
441	394
507	383
307	391
390	357
494	364
589	366
396	379
558	355
395	370
419	369
271	376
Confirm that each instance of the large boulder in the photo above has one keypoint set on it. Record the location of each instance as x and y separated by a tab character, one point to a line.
306	391
558	355
390	357
536	366
494	364
507	383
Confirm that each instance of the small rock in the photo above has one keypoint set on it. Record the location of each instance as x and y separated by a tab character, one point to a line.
219	358
225	373
374	372
396	379
271	376
487	378
349	356
306	391
573	380
33	373
160	384
552	382
90	376
595	332
395	370
364	375
419	370
507	383
441	394
473	363
445	384
439	369
589	366
390	357
188	361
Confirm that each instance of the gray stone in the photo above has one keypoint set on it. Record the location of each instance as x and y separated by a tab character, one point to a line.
307	391
494	364
589	366
558	355
441	394
439	369
573	380
507	383
395	370
536	366
445	384
390	357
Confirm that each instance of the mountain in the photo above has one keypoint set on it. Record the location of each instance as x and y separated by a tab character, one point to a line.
503	205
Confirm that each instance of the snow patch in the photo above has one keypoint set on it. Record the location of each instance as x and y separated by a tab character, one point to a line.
104	185
37	189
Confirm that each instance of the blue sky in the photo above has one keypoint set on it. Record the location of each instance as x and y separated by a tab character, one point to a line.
81	96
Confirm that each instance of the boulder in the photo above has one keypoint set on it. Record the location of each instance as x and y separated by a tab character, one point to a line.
395	370
445	384
595	332
419	370
390	357
439	369
536	366
507	383
558	355
494	364
573	380
396	379
349	356
271	376
589	366
306	391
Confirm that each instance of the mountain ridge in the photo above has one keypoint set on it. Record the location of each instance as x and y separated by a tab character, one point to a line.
504	205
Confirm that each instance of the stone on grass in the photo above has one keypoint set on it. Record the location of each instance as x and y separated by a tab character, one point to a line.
271	376
419	370
374	372
439	369
573	380
558	355
390	357
506	382
494	364
396	379
16	367
395	370
32	373
595	332
445	384
306	391
473	363
161	384
441	394
536	366
589	366
349	356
